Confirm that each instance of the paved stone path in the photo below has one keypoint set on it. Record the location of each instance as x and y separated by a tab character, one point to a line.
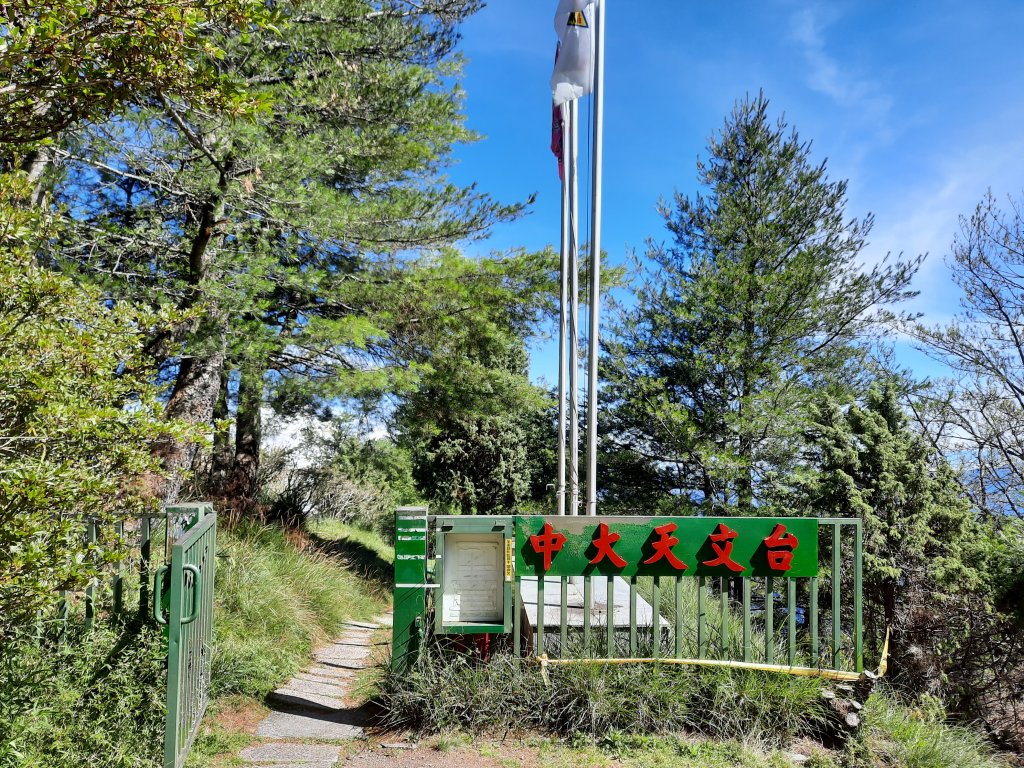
314	710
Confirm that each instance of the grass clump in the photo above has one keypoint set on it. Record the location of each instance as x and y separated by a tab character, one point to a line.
95	699
919	736
447	692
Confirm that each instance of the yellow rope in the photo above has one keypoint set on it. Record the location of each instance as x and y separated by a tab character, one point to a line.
828	674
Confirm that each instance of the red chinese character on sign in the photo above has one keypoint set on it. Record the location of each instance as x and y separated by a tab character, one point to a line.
780	548
547	543
663	547
604	541
721	543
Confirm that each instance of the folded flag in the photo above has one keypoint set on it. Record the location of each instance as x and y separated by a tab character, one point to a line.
574	67
558	134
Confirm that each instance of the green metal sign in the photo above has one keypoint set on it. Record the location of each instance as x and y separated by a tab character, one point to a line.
666	546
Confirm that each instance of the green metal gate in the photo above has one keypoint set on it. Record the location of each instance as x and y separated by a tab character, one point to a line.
189	626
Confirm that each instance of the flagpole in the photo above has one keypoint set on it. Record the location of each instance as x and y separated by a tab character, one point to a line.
574	314
595	262
563	319
574	310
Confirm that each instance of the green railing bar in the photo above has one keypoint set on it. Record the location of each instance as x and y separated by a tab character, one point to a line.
517	621
117	586
746	620
723	633
62	614
836	605
815	660
679	617
791	619
656	617
702	630
610	618
90	590
769	620
563	622
588	606
632	615
145	549
858	597
540	615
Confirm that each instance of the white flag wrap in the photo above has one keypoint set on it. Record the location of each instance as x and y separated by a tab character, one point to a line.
574	71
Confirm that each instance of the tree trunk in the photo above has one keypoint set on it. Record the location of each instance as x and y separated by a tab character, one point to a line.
198	385
223	456
248	433
192	402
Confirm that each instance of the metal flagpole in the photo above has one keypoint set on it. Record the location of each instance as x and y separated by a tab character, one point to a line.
562	316
574	311
595	262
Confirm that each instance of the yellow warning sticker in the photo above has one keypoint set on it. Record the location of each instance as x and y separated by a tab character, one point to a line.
510	558
577	19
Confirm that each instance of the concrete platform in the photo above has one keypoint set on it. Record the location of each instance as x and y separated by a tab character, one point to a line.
574	604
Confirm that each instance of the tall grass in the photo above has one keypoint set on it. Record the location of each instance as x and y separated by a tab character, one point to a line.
919	736
277	597
446	691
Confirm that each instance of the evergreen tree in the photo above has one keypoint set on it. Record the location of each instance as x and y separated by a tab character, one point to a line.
756	304
293	238
924	553
469	425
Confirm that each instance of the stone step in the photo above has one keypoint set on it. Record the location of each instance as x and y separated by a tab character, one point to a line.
290	753
337	689
291	700
336	673
313	725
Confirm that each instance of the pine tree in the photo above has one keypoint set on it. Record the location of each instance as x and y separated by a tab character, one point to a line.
756	304
923	549
293	238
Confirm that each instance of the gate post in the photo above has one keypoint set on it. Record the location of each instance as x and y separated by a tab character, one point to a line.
410	585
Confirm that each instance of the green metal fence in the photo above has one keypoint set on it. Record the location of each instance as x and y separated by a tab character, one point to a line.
805	618
189	623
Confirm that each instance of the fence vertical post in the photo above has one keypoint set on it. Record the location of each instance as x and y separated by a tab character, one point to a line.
656	617
769	620
679	617
540	614
815	658
791	619
858	597
90	589
746	619
610	617
117	585
702	636
410	584
588	607
632	616
145	553
723	633
563	620
836	597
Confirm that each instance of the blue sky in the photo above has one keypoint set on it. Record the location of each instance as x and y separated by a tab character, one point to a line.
919	105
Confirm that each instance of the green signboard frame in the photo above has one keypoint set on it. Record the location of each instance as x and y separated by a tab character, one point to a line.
751	547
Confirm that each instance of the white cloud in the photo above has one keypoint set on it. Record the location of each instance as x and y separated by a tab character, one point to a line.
863	97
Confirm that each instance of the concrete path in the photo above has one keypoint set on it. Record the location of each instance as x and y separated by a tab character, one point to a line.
315	710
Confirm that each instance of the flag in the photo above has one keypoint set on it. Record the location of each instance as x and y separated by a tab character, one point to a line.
574	68
557	133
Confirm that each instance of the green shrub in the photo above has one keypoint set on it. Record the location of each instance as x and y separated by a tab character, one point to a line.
96	699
